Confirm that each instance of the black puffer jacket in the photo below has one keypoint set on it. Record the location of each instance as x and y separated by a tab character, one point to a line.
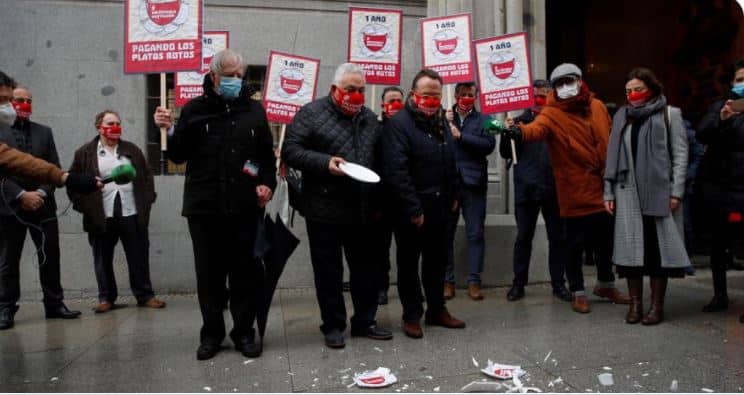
318	132
418	163
216	137
721	173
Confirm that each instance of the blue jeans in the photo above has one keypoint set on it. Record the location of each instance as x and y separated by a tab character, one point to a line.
473	207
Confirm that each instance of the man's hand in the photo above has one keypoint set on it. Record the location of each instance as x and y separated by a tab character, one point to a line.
31	201
418	221
333	165
610	206
674	203
456	134
455	205
727	111
264	195
163	117
81	183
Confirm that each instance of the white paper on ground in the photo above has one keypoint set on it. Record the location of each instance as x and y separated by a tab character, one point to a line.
501	371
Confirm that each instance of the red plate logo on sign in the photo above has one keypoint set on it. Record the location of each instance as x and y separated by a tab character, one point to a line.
375	42
163	12
446	46
291	81
503	70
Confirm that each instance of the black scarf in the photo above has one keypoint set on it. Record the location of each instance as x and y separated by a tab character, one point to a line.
433	124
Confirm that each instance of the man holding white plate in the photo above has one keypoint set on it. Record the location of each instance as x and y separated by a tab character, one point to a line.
328	140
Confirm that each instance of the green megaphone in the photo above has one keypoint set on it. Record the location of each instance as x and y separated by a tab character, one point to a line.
494	126
121	174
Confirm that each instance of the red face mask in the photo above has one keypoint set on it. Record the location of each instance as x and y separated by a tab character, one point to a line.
428	106
23	110
392	108
465	104
638	98
349	103
112	132
540	100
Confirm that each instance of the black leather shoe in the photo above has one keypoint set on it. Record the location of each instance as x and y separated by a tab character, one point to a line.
335	339
208	349
6	317
718	303
515	293
248	346
382	298
373	332
560	292
62	311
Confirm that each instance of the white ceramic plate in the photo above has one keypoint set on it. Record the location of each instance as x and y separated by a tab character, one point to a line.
359	173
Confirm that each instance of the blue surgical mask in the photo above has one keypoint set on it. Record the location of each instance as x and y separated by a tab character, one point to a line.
738	89
230	87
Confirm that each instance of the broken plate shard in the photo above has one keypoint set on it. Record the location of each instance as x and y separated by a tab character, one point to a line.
380	377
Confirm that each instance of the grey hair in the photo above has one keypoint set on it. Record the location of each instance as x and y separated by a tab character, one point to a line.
226	54
347	68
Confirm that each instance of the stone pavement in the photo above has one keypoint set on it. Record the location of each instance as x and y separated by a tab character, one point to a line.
140	350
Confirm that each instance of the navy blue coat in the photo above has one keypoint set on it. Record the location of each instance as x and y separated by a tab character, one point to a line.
533	175
472	149
418	164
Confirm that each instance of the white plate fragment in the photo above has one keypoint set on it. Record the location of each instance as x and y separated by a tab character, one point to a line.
606	379
501	371
380	377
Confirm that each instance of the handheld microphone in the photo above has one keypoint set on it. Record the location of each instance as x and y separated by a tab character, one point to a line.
121	174
494	126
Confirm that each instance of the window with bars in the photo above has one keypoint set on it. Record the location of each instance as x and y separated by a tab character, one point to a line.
254	76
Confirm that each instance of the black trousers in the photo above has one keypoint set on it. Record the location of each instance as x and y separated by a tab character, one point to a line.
526	214
382	234
428	243
328	244
596	230
12	238
223	251
136	243
724	233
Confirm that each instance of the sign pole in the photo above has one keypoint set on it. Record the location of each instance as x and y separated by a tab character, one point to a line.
282	132
163	131
449	96
373	99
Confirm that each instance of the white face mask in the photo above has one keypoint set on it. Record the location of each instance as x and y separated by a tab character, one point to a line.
7	115
567	91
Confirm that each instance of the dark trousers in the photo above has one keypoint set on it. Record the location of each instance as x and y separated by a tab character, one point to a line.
136	243
526	214
473	207
721	254
223	251
595	230
329	243
429	243
12	238
382	235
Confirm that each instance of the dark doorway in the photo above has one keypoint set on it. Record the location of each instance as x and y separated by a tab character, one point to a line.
690	45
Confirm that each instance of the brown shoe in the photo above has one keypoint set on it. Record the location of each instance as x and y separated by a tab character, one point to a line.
474	291
153	303
449	290
580	304
612	294
446	320
103	307
413	329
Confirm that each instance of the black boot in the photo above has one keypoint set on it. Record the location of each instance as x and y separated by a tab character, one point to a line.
658	292
7	315
720	293
635	289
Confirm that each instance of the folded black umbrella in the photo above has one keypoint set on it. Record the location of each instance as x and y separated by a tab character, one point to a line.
275	243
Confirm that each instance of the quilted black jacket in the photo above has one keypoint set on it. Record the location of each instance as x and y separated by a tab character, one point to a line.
318	132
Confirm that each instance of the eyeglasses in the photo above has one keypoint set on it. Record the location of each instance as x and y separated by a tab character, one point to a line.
636	89
352	89
111	123
21	100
